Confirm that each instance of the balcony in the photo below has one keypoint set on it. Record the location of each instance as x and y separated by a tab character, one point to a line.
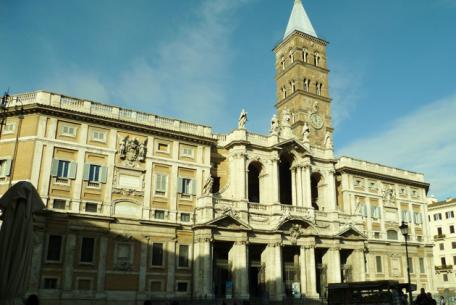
439	236
444	268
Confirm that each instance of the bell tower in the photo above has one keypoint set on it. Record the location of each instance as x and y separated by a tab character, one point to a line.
302	79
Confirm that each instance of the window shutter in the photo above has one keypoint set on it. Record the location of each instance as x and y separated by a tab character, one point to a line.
6	168
364	211
193	186
379	213
54	167
179	185
157	183
85	176
72	170
164	183
103	174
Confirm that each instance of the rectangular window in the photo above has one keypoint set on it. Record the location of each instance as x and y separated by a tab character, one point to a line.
451	229
63	169
183	256
185	217
157	254
378	261
187	151
437	216
58	204
162	147
8	128
410	263
94	173
405	216
5	168
375	212
445	277
159	214
98	136
441	246
161	182
443	261
449	214
91	207
54	248
50	283
439	232
422	269
68	130
186	186
182	286
417	218
453	245
87	249
454	260
156	286
84	284
419	238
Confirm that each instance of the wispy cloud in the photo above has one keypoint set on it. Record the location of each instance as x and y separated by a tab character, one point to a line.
423	141
346	83
187	74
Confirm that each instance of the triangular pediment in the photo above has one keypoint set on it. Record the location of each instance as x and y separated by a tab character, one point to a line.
351	233
293	145
229	222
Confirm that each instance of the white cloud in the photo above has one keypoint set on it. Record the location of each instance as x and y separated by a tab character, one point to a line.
345	90
187	74
423	141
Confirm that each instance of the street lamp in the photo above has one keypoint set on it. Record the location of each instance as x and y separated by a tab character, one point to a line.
404	231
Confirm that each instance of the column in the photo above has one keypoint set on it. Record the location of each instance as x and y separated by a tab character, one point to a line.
202	272
143	266
311	273
271	259
37	258
333	261
307	187
240	269
331	191
293	186
303	270
101	275
171	266
299	199
274	180
68	263
278	264
359	272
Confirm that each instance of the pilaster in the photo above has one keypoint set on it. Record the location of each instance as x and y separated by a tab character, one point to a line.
68	264
334	275
171	276
311	285
101	275
240	270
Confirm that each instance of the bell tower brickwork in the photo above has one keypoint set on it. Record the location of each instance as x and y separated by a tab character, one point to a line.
302	85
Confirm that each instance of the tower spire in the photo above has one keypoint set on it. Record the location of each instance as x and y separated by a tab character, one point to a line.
299	21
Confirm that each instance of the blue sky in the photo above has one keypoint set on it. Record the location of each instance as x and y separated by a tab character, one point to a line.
392	64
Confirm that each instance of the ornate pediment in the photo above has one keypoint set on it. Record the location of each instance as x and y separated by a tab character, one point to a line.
294	145
351	232
296	226
228	221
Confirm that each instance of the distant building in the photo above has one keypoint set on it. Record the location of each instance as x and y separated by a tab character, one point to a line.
443	228
141	206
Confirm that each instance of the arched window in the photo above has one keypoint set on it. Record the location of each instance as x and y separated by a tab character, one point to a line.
291	56
284	92
285	178
282	62
316	181
293	86
304	55
317	59
392	234
254	170
318	86
306	85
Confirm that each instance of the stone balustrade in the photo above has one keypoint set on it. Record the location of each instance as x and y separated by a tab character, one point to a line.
108	111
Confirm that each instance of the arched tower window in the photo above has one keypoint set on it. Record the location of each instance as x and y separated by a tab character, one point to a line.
293	86
318	86
284	92
317	59
304	55
282	63
254	181
316	181
285	179
291	56
306	85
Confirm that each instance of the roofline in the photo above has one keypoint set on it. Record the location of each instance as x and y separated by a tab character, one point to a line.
305	35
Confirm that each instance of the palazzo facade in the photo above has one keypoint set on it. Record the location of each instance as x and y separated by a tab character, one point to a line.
141	206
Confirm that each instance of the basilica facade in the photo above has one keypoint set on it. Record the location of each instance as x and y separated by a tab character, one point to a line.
140	206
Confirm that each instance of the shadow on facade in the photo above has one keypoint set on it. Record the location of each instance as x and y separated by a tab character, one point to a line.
131	261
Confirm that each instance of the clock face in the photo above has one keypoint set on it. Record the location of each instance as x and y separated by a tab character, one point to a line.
316	120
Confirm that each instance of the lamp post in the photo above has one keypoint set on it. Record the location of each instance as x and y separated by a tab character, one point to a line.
404	231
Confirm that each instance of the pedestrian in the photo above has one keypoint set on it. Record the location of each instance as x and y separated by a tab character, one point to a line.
422	298
431	299
442	300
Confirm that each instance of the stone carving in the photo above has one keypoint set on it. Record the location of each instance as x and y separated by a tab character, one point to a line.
286	118
127	192
389	196
295	232
132	150
207	188
123	266
242	119
274	125
328	141
305	133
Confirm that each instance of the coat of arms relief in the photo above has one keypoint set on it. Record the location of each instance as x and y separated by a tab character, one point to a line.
132	150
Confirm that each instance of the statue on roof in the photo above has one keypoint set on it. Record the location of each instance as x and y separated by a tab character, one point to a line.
274	125
242	119
305	133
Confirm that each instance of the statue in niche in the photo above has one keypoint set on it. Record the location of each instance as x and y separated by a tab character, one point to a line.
328	141
132	150
389	196
142	151
207	188
305	133
274	124
295	232
242	119
286	118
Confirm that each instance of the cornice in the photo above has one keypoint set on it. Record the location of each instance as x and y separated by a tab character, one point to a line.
299	61
302	34
300	91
